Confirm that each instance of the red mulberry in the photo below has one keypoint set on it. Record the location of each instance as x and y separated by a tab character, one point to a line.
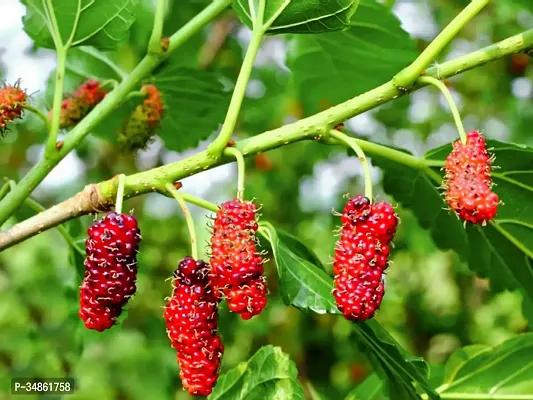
468	180
142	124
78	105
236	267
110	269
191	316
361	257
12	103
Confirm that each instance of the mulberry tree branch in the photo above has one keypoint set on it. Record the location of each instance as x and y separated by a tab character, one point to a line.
99	197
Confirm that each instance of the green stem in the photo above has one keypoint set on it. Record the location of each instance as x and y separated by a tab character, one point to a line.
216	148
188	218
135	94
35	206
453	107
154	45
189	198
39	113
58	98
120	193
35	176
407	77
109	84
4	189
391	154
266	25
350	142
241	171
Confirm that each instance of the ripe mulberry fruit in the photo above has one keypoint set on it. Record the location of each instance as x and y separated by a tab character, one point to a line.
75	107
12	103
110	269
361	257
141	126
236	267
191	317
468	180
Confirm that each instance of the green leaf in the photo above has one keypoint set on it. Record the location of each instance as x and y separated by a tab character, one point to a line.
395	366
195	102
370	389
311	16
461	356
505	371
300	249
369	53
67	23
268	375
501	251
88	62
301	283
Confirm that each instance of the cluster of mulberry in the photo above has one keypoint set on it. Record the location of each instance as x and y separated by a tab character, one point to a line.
191	317
361	257
468	180
76	106
236	267
12	103
110	270
141	126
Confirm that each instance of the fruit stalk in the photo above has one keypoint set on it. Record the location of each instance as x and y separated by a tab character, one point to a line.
188	218
120	193
350	142
240	169
449	98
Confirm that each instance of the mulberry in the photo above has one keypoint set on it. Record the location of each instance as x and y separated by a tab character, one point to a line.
361	257
75	107
191	317
110	270
236	267
141	126
13	100
468	180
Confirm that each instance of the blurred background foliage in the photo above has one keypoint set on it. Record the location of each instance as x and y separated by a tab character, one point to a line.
433	305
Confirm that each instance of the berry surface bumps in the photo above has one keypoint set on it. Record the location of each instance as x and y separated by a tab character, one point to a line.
110	270
468	181
141	126
191	317
75	107
361	257
236	267
12	103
